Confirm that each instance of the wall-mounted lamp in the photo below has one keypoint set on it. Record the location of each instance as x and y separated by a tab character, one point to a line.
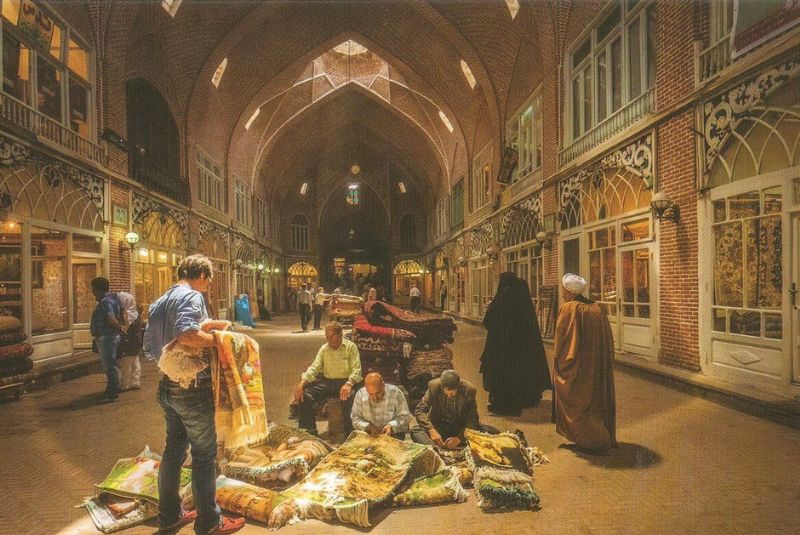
462	261
493	251
664	208
545	239
260	267
131	238
238	262
276	270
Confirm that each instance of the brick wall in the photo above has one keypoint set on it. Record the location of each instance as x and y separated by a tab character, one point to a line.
678	282
119	259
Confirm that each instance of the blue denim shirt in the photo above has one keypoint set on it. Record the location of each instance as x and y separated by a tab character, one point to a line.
106	306
179	310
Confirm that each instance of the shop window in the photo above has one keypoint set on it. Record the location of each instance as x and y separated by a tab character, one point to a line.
603	268
525	135
211	189
11	268
243	203
49	304
457	203
598	89
83	301
748	269
300	238
16	68
636	230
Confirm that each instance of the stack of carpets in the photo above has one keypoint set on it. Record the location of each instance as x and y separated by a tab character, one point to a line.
503	467
283	458
381	348
344	308
429	329
15	361
430	362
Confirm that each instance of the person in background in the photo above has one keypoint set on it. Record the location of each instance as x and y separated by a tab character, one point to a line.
304	307
107	328
319	302
443	294
188	412
380	409
585	409
415	298
334	372
130	367
372	294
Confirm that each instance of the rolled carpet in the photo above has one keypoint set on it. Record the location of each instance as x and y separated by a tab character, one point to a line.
15	367
9	324
433	362
9	338
15	351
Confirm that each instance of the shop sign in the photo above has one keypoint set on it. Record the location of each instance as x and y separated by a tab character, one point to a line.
35	24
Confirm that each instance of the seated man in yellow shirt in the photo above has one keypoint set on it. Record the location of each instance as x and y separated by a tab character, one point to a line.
335	372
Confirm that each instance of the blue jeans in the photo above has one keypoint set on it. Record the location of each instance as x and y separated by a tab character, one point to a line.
189	414
107	349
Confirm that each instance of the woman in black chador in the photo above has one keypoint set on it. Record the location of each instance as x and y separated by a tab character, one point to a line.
513	364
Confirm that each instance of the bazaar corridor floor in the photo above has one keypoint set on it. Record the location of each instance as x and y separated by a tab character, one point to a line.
685	465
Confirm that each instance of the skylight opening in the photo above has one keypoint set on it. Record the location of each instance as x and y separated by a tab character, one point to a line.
304	188
446	121
468	74
513	7
350	48
402	187
219	72
251	119
171	6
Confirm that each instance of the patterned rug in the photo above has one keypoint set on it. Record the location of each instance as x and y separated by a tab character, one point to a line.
432	362
241	417
365	471
129	494
442	487
503	471
428	328
286	456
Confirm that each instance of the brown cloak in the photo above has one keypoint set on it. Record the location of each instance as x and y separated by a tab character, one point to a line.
584	376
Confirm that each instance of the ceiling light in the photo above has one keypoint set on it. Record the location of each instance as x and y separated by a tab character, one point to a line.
402	187
355	169
219	72
446	121
251	119
352	186
304	188
468	74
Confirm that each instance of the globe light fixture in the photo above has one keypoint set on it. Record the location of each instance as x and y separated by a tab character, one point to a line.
131	238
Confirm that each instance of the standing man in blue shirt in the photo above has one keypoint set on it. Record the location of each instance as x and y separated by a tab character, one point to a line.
107	330
189	412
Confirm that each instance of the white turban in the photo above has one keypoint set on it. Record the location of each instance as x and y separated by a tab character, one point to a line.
574	283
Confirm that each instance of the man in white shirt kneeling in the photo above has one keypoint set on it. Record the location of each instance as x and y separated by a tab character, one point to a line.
380	409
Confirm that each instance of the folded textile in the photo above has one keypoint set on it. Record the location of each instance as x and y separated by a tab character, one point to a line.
364	471
17	366
240	416
287	455
503	471
10	324
378	345
387	366
108	520
15	351
428	328
137	477
365	328
458	460
442	487
19	378
433	362
12	338
244	499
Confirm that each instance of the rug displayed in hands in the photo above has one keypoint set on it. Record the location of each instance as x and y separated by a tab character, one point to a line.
241	416
365	471
503	471
442	487
284	457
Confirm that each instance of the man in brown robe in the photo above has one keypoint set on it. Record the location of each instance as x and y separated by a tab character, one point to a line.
583	375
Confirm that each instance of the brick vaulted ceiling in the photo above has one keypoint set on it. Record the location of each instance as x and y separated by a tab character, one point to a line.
270	46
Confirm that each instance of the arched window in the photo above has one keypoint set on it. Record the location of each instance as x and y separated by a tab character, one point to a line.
408	232
153	141
300	241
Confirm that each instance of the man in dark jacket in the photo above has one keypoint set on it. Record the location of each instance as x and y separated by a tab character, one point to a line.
445	411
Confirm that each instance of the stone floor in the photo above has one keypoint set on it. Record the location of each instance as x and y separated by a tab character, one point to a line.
684	465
